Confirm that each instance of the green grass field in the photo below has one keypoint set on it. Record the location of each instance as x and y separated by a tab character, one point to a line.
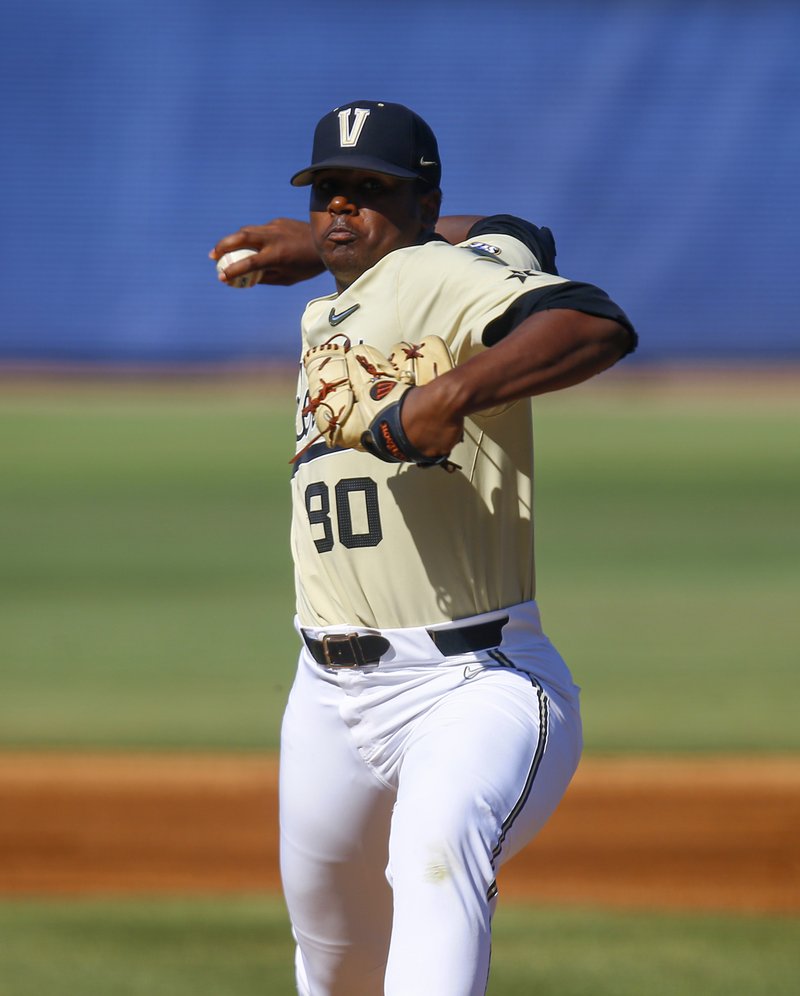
147	588
146	600
242	947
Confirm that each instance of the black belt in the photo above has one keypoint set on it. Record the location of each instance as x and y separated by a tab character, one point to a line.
354	650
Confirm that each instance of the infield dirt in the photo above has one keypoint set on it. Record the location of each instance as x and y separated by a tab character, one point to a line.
713	833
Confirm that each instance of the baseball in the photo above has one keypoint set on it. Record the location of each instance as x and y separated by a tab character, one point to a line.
249	279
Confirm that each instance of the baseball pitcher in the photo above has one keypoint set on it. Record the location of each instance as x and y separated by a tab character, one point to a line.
432	727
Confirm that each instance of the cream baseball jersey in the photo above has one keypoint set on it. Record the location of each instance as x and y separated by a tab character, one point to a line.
382	545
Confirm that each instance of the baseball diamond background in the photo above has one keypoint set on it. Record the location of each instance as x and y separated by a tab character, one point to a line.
146	646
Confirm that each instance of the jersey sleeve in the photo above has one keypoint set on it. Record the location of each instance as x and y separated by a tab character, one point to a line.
539	241
474	294
570	295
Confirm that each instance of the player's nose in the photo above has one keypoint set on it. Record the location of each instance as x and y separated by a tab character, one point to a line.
341	205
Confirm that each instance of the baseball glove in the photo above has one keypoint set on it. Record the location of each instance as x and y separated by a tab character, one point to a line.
356	395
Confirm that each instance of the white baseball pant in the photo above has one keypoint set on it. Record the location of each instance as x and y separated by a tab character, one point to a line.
404	786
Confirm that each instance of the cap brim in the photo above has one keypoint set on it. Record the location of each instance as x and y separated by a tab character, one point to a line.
369	163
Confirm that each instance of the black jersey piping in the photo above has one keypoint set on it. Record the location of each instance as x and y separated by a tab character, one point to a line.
313	452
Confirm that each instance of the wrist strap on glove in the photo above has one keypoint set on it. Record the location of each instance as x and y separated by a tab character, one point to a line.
386	439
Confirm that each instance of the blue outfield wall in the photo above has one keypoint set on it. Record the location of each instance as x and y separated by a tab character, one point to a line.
659	140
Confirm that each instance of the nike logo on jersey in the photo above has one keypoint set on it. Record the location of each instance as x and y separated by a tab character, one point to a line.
335	319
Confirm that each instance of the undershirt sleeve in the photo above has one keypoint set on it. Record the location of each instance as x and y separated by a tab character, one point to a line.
570	295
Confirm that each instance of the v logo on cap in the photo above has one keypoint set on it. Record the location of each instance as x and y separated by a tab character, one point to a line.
349	136
397	142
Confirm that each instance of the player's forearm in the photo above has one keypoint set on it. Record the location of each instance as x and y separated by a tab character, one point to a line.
548	351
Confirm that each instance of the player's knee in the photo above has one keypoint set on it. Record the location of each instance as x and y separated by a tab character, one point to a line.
448	847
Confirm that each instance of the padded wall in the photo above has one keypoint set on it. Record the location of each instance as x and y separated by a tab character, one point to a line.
660	141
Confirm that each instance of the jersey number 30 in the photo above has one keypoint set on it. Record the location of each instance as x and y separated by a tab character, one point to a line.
353	497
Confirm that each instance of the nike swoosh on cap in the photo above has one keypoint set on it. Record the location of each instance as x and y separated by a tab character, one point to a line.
427	162
335	319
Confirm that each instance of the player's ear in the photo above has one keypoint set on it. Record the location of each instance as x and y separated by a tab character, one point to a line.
430	204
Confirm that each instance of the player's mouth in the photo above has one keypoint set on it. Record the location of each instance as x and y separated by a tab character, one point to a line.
340	234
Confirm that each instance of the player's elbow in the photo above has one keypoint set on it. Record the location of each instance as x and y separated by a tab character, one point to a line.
614	338
598	343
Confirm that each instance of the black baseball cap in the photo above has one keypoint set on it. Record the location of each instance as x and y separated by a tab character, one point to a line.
376	136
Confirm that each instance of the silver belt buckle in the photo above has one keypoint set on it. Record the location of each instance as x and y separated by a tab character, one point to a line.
351	639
